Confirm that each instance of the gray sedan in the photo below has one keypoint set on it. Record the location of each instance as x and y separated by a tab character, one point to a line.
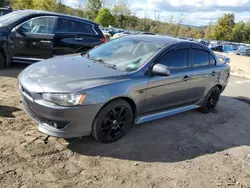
129	80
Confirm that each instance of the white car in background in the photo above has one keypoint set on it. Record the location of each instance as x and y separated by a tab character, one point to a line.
117	35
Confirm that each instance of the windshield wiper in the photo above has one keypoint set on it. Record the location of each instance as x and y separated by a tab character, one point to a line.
102	62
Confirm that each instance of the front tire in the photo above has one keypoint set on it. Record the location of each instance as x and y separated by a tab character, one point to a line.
113	121
2	61
211	100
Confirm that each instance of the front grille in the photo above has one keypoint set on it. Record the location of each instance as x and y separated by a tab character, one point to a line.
31	113
39	119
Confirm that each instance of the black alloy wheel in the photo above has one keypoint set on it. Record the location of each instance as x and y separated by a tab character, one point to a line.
113	121
211	100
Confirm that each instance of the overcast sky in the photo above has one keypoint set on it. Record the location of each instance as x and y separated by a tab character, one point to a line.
195	12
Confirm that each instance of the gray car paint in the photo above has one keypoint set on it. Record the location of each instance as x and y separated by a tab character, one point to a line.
153	96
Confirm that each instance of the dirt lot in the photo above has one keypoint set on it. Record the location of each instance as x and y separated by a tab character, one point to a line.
240	65
186	150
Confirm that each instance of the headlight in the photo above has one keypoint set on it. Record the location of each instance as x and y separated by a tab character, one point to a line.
64	99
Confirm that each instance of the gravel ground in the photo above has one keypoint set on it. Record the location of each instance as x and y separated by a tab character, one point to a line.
185	150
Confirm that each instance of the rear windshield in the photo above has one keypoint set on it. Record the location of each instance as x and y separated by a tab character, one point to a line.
11	18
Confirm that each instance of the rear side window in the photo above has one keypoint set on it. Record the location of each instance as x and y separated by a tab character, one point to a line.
72	26
212	60
177	59
200	58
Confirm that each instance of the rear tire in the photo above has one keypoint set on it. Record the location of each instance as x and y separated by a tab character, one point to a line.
2	61
113	121
211	100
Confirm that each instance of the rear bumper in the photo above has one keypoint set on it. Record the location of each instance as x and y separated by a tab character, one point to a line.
63	122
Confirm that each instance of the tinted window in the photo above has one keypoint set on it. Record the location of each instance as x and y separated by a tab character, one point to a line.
200	58
71	26
177	59
39	25
212	60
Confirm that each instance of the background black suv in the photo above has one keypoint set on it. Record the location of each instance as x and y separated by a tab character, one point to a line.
5	10
28	36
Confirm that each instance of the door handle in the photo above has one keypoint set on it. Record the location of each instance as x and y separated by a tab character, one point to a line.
46	41
186	78
213	73
79	39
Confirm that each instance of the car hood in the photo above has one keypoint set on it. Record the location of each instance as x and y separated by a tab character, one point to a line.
70	73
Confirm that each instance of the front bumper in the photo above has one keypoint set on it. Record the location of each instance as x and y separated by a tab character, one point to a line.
57	121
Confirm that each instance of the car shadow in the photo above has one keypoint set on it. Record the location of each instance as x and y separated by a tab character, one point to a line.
13	70
7	111
177	138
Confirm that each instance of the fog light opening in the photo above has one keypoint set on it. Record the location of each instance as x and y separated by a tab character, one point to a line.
54	124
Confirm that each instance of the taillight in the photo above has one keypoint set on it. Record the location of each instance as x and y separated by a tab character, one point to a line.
103	40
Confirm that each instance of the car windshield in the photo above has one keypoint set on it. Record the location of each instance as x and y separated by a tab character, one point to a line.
10	18
128	54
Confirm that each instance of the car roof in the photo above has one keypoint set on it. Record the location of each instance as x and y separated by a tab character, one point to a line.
164	40
41	12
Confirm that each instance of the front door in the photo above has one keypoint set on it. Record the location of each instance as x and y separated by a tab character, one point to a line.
166	92
33	39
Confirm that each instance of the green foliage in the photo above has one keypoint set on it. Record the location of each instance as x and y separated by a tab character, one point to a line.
22	4
104	17
121	8
238	32
224	27
93	7
246	33
49	5
2	3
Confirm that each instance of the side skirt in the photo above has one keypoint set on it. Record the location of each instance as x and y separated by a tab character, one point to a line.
158	115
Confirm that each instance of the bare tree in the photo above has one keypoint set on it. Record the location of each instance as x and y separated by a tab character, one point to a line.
60	6
179	21
157	16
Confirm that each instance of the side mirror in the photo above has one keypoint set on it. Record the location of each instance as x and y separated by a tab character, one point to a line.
160	70
20	31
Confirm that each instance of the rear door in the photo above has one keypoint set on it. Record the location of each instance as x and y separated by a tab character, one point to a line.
33	39
73	36
204	73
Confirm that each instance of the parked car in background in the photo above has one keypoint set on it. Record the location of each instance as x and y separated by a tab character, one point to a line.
218	48
107	36
146	33
223	59
5	10
29	36
130	80
117	35
243	51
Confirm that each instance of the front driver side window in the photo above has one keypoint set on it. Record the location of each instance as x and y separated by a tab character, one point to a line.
177	59
41	25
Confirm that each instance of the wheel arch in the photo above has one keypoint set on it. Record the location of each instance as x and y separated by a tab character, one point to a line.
219	86
128	99
4	54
